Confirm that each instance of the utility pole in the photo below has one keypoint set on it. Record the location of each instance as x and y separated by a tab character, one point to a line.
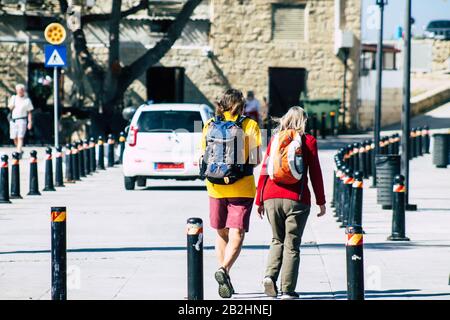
406	105
377	122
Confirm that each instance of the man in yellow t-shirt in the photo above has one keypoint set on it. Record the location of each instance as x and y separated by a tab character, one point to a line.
231	204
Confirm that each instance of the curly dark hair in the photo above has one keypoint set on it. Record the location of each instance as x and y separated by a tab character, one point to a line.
232	100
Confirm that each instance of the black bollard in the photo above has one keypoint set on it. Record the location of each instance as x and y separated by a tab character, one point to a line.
75	164
398	210
92	161
341	192
110	150
4	180
426	140
333	200
412	139
314	125
368	172
362	159
15	176
122	140
355	154
87	157
397	143
356	200
323	125
333	123
195	258
391	145
49	186
59	180
34	183
350	164
101	154
81	159
355	262
419	141
68	161
59	253
336	186
348	182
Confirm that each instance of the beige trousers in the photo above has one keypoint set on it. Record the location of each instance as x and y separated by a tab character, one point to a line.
288	219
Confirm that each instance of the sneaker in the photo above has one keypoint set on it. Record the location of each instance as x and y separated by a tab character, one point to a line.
270	287
290	295
223	279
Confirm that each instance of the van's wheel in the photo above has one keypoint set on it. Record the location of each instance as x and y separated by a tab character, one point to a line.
141	182
129	183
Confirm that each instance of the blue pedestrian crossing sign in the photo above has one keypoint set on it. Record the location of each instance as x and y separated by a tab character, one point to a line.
55	56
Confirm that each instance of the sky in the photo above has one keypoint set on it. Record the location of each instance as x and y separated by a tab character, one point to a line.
423	11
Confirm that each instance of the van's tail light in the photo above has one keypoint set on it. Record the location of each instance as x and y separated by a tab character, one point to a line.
132	136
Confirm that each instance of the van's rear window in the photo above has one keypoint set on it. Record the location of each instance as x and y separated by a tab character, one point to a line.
165	121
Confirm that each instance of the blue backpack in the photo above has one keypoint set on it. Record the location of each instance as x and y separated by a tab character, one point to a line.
223	162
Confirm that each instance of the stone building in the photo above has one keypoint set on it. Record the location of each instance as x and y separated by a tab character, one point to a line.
280	49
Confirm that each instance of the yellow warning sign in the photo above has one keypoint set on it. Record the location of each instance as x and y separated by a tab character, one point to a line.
55	33
58	216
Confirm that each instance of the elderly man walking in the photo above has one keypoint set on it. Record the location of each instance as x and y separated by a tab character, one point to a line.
20	119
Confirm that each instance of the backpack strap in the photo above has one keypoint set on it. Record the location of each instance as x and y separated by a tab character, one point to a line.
240	120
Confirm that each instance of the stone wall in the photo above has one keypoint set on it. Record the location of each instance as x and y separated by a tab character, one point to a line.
441	55
243	51
13	69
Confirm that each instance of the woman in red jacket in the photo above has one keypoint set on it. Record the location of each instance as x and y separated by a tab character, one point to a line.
287	208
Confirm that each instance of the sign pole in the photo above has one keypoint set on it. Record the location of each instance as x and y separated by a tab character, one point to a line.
55	101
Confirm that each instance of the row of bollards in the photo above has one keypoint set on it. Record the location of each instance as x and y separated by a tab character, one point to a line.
323	129
353	164
80	160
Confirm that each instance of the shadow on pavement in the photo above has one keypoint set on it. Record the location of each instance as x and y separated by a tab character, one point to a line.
340	246
174	188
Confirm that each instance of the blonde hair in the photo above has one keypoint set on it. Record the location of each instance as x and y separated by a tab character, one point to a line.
294	119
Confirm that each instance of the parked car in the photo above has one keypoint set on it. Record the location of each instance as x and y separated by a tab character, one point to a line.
164	142
438	29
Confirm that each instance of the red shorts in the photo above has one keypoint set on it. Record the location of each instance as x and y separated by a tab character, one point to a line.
230	213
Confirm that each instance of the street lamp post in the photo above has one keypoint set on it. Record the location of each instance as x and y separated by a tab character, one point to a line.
377	122
406	105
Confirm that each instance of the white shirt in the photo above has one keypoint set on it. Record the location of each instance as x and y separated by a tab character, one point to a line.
20	106
252	105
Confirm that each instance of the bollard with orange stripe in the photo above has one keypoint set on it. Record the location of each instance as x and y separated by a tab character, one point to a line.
412	143
425	139
398	210
356	146
333	123
59	180
348	183
59	253
101	153
68	161
356	200
4	180
355	262
419	140
195	258
74	162
122	140
49	186
368	158
110	150
81	167
341	189
87	158
34	183
92	160
15	176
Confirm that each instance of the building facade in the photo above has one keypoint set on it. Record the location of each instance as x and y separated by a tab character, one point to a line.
283	50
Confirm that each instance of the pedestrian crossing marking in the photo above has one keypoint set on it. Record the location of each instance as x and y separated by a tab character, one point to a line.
55	59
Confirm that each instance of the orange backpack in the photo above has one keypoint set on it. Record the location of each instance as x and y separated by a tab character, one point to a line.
285	161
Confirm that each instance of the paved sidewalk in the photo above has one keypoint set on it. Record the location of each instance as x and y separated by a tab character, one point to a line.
131	245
